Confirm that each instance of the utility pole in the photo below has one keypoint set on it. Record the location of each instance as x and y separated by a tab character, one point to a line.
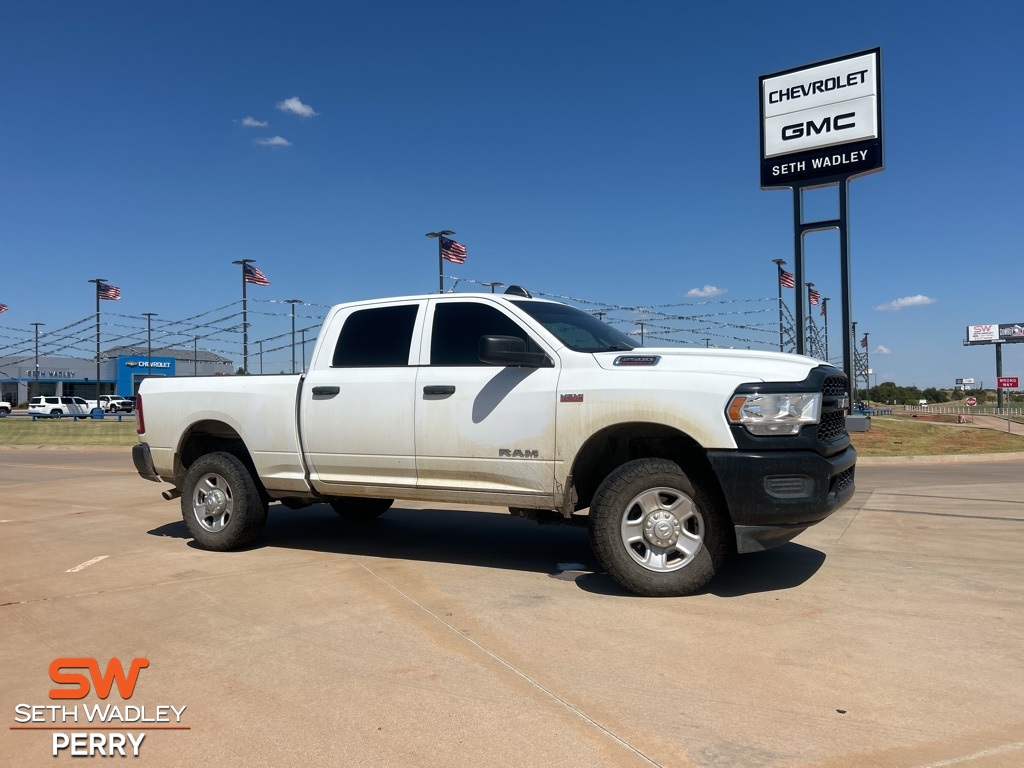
37	360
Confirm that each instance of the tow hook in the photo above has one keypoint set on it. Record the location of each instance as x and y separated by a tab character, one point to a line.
171	495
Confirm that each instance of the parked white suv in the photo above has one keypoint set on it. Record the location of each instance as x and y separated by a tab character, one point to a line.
5	408
58	406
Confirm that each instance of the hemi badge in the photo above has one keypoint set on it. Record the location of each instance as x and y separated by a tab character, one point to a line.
636	360
572	398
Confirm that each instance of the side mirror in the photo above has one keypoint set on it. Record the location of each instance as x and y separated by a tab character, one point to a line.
510	350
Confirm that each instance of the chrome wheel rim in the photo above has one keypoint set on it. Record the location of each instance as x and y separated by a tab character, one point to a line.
662	530
213	502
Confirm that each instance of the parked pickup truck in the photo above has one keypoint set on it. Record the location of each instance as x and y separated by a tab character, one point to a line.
674	457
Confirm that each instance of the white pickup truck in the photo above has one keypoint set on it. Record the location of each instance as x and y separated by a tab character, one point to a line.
674	457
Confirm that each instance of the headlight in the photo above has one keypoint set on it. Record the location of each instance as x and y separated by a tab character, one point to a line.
781	414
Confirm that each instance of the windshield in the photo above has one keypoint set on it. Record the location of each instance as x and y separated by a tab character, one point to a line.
576	329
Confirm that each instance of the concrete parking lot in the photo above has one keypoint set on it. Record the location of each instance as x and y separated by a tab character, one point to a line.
890	635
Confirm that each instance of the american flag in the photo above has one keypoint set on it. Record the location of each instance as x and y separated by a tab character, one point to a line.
823	303
253	275
108	292
3	307
786	279
453	251
814	297
864	341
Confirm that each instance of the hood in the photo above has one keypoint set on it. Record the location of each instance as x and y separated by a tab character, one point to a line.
754	365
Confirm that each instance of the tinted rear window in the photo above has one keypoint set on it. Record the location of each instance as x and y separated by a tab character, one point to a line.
376	337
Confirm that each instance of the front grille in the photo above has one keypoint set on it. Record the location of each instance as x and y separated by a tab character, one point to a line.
832	426
834	386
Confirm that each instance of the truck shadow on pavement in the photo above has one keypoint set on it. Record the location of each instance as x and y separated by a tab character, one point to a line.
499	541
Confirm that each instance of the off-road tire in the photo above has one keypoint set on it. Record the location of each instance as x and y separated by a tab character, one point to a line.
648	501
220	503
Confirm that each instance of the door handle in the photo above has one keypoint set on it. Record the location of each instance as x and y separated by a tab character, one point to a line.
447	389
326	390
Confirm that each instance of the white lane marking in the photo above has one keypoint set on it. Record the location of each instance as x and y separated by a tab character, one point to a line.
86	564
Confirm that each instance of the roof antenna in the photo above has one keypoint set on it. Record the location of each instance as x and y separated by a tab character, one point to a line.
517	290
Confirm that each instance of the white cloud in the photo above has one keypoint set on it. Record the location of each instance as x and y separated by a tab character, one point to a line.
274	141
903	303
707	292
252	122
882	350
296	107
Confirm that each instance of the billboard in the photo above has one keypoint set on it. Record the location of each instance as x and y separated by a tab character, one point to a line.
822	120
992	333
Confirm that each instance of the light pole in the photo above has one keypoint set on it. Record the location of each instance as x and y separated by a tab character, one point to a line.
810	321
440	260
707	343
260	342
245	324
303	332
149	342
824	314
98	281
37	359
641	324
853	365
778	263
867	366
293	302
195	355
494	285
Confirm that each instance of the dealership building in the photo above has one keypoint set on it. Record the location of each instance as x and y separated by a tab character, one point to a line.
121	371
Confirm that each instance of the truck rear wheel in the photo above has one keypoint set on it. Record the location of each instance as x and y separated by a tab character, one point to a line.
220	503
655	531
356	510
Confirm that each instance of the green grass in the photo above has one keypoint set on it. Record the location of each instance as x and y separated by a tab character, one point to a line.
67	432
898	436
889	436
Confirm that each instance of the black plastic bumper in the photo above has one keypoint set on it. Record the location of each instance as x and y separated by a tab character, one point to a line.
774	495
143	460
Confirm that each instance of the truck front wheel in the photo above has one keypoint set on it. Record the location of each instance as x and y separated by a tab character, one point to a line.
220	504
656	532
356	510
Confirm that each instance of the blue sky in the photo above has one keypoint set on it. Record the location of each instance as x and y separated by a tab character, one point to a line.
600	150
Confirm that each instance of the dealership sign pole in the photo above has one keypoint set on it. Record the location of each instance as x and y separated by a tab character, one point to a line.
821	125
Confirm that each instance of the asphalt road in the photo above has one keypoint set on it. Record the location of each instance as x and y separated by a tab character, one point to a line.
890	635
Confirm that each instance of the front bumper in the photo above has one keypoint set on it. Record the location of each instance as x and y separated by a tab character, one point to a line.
773	496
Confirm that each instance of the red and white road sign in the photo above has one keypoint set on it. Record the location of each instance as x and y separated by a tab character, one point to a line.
971	401
1008	382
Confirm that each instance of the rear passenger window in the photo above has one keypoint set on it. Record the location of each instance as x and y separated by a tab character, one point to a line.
458	326
376	337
